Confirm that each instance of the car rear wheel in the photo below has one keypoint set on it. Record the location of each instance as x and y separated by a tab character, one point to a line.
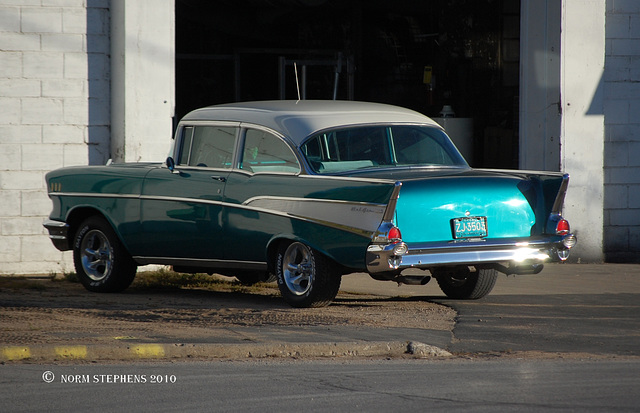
462	283
305	277
101	262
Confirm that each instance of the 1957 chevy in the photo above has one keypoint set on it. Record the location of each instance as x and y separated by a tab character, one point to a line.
309	191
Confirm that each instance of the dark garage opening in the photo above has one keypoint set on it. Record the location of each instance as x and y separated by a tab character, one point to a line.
419	54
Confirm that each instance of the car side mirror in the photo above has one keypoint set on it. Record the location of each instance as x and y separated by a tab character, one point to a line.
171	164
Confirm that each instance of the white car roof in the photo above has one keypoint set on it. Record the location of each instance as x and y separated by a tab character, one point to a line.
299	119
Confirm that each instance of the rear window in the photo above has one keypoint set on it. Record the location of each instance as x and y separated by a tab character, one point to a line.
387	146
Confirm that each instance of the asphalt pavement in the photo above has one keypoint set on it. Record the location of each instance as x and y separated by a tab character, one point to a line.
591	309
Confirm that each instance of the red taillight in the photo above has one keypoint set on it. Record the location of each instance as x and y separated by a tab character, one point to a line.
563	227
394	234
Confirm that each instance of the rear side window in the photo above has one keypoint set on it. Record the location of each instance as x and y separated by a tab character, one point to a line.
265	152
208	146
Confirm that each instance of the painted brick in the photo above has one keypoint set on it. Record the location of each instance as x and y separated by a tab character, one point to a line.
616	154
21	2
20	134
63	88
76	155
75	66
10	203
630	175
9	19
9	110
63	42
616	196
625	47
43	65
99	66
626	133
19	87
634	240
98	43
634	111
38	249
625	6
64	3
21	226
35	204
616	111
19	42
624	217
617	26
63	133
616	239
634	196
634	153
41	111
41	157
76	111
9	251
97	21
634	27
21	180
621	90
11	64
10	157
74	20
100	112
41	20
617	68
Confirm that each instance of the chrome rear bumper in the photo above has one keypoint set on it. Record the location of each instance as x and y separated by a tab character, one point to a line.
520	254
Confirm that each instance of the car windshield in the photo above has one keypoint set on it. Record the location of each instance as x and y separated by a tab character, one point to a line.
380	146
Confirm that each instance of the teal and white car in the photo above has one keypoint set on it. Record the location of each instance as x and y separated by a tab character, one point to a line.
309	191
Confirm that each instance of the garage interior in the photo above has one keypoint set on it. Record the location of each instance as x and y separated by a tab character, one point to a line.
427	55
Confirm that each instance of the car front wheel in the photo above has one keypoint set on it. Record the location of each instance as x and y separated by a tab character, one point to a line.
101	262
305	277
462	283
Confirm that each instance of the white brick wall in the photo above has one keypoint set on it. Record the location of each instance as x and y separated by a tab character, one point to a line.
622	132
54	60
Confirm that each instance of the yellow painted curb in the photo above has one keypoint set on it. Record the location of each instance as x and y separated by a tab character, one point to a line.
16	353
148	350
71	352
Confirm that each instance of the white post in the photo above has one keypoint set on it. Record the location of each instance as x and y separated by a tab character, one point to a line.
142	79
582	69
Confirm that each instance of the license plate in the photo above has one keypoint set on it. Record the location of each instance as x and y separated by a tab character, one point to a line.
469	227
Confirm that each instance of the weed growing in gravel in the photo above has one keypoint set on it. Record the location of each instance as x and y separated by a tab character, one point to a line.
167	279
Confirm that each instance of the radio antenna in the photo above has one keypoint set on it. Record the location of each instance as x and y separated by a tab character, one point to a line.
295	68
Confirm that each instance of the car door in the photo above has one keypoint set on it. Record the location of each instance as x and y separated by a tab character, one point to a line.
181	212
267	167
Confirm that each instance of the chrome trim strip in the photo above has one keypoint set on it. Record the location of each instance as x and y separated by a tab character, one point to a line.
562	192
393	201
94	195
202	263
296	199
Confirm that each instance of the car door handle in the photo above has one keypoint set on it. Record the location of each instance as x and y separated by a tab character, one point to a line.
219	178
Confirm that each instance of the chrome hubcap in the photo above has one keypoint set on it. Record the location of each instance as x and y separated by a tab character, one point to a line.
298	268
97	258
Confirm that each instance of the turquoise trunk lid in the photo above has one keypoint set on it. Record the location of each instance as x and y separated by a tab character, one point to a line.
426	207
